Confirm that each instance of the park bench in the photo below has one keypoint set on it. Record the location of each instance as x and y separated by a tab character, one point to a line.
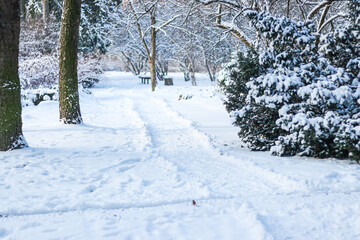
145	79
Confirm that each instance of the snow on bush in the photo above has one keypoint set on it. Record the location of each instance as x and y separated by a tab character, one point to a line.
89	70
301	98
39	64
38	57
233	81
284	68
35	96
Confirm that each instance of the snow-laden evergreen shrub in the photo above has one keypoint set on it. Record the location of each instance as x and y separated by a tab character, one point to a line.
235	76
326	120
313	123
95	26
306	100
290	47
35	96
342	48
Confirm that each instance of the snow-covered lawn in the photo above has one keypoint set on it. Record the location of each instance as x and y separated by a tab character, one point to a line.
133	169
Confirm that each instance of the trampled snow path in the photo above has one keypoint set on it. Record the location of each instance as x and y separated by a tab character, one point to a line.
133	168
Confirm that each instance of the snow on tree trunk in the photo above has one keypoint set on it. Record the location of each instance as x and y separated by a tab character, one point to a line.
68	77
11	136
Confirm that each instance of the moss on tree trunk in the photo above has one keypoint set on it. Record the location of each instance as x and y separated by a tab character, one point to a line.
11	136
68	77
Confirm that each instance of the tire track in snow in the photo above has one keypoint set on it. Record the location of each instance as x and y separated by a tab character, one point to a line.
154	176
68	168
110	207
280	181
257	184
239	219
133	168
179	142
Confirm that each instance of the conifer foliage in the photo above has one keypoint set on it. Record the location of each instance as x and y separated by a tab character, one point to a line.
98	17
301	97
96	20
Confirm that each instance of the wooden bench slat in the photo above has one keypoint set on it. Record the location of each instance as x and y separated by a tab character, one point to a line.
145	79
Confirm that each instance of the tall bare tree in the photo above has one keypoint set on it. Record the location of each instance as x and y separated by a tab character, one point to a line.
11	136
68	61
148	18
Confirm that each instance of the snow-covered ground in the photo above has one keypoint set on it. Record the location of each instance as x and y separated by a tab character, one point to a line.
133	169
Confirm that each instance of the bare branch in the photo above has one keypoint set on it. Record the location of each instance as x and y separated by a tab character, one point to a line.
317	8
323	16
231	28
330	20
139	30
229	3
167	23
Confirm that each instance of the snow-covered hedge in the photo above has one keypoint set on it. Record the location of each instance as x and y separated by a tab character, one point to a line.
39	64
38	57
31	97
301	98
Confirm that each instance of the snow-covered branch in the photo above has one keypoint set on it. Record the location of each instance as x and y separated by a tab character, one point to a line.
318	7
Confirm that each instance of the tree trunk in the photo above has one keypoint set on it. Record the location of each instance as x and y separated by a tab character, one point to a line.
152	60
193	78
68	77
211	74
11	136
192	73
45	10
186	76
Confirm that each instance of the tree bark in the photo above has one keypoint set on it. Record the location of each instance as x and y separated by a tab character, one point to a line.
46	11
152	61
211	74
68	60
11	136
192	71
193	78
